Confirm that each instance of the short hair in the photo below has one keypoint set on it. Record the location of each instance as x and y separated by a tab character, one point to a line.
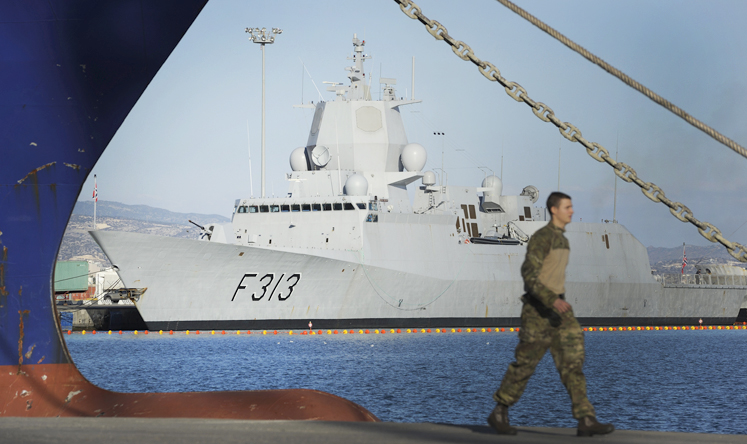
553	200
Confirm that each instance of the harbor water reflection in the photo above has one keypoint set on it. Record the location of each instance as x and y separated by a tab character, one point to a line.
686	381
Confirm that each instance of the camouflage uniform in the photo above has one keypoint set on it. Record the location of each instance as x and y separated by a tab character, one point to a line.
542	327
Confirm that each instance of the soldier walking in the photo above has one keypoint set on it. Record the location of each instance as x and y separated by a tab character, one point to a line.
547	321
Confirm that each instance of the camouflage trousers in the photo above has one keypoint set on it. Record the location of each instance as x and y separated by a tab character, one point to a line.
566	344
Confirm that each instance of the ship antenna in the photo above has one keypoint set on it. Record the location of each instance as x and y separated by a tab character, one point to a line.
312	80
302	68
443	148
412	90
339	170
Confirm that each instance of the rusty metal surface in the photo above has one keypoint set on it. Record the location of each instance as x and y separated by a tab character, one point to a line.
60	390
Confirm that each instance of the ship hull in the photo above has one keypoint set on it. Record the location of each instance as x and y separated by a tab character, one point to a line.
207	285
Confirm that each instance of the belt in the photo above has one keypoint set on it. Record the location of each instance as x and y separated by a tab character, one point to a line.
547	313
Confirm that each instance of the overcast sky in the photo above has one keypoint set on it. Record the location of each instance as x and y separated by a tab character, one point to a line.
184	147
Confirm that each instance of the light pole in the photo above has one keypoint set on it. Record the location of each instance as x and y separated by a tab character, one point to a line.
262	37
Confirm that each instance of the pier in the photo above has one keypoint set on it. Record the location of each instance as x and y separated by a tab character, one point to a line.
221	431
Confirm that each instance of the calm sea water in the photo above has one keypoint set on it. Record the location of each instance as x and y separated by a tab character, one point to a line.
687	381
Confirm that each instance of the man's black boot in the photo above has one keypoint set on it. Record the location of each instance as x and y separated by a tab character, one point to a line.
588	426
498	420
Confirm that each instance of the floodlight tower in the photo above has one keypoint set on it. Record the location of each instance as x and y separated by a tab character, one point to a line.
262	37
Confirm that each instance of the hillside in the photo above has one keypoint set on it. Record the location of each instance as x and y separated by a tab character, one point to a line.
669	260
77	244
143	213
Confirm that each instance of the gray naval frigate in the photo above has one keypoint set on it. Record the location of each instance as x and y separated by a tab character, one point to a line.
348	247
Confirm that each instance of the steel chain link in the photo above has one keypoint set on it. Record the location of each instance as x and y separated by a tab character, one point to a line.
570	131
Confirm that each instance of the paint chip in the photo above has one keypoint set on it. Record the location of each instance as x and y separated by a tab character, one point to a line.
71	395
33	144
30	351
44	377
32	172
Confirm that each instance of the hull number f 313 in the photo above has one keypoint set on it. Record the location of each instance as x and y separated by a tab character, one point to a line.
265	284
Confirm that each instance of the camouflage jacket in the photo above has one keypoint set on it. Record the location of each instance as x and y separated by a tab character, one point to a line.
543	269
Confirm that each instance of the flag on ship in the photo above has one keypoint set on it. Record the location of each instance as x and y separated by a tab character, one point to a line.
95	189
684	259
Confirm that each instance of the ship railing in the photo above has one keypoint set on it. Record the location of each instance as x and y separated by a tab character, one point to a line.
673	280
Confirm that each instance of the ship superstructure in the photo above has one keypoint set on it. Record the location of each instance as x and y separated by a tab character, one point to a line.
347	247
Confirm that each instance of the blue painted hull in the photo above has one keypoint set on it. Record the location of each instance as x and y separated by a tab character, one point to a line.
70	72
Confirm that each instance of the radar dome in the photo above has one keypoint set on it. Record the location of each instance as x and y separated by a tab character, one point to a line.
413	157
356	185
429	178
298	159
532	192
496	188
320	156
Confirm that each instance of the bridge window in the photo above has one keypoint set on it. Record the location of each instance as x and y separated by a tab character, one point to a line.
264	208
327	207
295	208
253	209
349	206
274	208
361	206
316	207
242	209
285	208
306	207
337	206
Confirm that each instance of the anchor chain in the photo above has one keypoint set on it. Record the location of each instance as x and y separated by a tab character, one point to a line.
570	131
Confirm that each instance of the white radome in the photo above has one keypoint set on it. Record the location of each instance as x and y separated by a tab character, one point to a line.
429	178
356	185
413	157
496	187
298	159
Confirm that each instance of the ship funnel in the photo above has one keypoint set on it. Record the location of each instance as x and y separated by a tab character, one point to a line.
356	185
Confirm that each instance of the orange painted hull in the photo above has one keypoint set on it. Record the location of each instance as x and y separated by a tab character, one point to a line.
49	390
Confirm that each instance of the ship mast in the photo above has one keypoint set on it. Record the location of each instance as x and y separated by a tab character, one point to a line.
358	88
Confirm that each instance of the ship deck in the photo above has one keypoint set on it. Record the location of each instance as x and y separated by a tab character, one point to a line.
138	430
